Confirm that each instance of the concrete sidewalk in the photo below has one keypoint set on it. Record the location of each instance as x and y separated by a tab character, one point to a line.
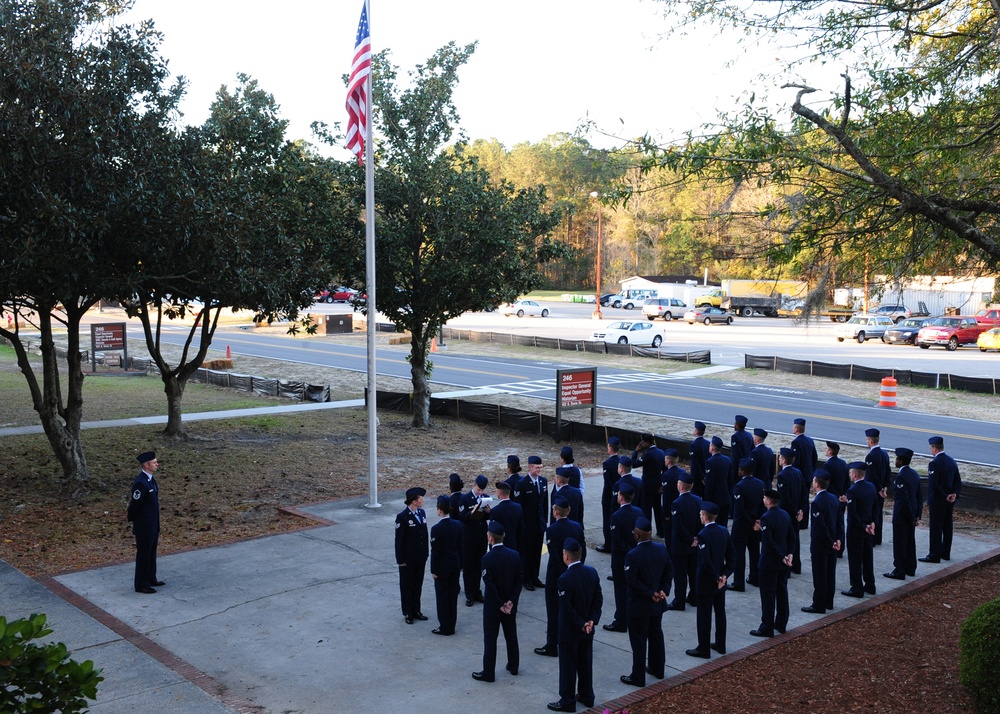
310	622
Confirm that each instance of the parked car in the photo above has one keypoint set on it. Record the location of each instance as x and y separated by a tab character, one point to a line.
990	317
631	332
989	340
525	307
607	298
950	332
894	312
324	295
342	294
905	331
707	314
863	327
663	307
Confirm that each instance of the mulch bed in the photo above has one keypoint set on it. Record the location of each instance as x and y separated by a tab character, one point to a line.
901	656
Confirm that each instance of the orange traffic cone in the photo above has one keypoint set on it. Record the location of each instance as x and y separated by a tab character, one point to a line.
434	345
229	353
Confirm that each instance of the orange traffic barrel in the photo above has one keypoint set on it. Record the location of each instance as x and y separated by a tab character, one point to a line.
887	397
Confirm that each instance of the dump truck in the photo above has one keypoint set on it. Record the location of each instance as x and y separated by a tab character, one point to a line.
747	297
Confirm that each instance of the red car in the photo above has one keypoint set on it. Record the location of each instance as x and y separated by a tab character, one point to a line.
989	317
950	332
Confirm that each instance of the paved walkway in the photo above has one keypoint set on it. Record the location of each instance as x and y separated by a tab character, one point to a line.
309	622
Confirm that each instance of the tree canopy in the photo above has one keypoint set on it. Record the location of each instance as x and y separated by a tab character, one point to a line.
895	167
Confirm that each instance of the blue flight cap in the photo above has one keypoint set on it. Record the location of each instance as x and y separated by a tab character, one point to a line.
936	441
717	441
859	465
496	528
757	431
482	482
709	507
642	523
571	545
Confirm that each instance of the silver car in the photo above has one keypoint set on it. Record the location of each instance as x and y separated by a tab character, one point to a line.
863	327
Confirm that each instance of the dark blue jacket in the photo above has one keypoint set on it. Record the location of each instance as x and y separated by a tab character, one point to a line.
878	472
776	539
840	480
716	555
908	500
636	485
718	471
575	499
698	455
685	522
555	536
790	489
502	579
748	502
942	480
534	501
622	538
511	516
144	505
411	536
580	601
763	463
609	496
648	570
446	547
823	522
860	505
652	464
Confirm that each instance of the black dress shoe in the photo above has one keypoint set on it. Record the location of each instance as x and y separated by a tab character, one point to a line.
547	651
721	649
420	616
894	576
157	583
814	610
761	633
753	582
481	677
658	675
627	679
676	606
943	557
529	586
562	706
538	583
468	603
929	559
779	630
698	653
853	593
691	601
615	627
512	670
737	588
603	549
610	578
870	590
479	597
911	575
584	701
147	591
439	631
409	620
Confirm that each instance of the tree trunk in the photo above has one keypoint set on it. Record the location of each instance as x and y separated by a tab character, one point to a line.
419	374
173	387
60	423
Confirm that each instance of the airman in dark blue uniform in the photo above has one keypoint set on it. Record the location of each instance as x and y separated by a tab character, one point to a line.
555	536
502	580
718	472
698	454
763	458
580	603
907	510
648	572
446	564
473	512
944	486
777	543
572	470
625	475
836	467
572	495
790	487
609	497
860	532
622	541
748	506
805	461
144	515
532	492
511	515
650	458
879	474
685	521
823	545
513	470
716	558
669	492
740	446
411	553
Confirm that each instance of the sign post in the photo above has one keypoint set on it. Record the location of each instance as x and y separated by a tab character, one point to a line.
575	389
107	336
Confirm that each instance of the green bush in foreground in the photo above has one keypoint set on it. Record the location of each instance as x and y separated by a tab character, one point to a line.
41	677
979	656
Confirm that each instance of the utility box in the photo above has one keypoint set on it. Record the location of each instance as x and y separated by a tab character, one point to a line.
339	324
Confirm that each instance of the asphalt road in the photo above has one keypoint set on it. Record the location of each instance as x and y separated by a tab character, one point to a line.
842	419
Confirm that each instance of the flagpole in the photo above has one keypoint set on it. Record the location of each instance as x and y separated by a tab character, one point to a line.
370	282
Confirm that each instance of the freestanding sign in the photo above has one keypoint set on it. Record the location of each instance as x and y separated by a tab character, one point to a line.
106	337
575	389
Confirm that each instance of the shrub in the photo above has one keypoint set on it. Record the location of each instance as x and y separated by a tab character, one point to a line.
979	656
41	677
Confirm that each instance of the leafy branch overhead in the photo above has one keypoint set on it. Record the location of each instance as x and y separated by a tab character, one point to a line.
897	167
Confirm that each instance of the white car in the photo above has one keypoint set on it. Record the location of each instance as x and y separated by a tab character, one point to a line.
525	307
863	327
632	332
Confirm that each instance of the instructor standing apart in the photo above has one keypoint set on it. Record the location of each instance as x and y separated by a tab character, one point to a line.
144	515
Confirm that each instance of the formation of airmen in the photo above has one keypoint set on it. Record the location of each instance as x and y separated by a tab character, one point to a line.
736	516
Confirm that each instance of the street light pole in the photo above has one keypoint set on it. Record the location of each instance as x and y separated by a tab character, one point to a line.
597	309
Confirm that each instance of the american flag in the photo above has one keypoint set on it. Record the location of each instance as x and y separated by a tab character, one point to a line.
357	93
